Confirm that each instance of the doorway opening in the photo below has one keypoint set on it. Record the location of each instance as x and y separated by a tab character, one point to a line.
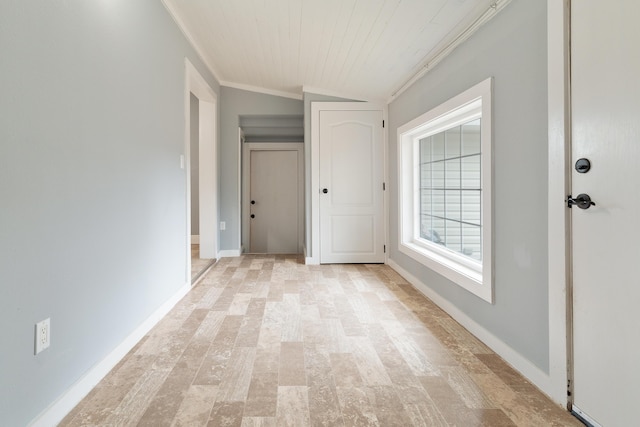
201	176
272	206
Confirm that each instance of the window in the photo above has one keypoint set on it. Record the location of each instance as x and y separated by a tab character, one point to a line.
444	163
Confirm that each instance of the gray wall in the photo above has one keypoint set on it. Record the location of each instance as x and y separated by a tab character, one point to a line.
233	104
194	111
308	98
92	211
512	49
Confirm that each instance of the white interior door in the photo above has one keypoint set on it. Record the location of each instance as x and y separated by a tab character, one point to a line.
351	185
275	201
606	253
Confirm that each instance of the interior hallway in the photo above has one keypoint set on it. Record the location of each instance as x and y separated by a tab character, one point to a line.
269	341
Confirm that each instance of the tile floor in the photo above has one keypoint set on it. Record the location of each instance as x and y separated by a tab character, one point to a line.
269	341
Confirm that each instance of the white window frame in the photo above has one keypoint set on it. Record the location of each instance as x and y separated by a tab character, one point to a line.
476	277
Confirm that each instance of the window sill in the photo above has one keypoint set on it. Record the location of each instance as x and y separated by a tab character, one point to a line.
465	277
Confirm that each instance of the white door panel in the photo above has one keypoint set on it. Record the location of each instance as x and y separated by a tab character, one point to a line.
352	234
606	254
351	172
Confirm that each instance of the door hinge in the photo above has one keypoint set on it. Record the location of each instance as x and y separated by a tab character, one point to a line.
383	123
384	186
384	248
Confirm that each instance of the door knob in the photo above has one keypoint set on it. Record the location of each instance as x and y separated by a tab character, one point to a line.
253	202
253	216
325	191
583	201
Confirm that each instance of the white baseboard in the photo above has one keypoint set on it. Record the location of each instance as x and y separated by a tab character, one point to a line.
229	253
195	239
309	260
534	374
53	414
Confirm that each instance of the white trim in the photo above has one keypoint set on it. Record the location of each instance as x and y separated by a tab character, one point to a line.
241	139
448	45
386	176
258	89
473	103
316	107
192	41
559	120
229	253
247	148
207	141
195	239
307	260
55	412
534	374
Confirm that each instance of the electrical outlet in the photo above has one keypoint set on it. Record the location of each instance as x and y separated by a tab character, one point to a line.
223	225
43	335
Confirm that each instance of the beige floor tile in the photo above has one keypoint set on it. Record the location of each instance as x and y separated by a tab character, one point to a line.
387	406
292	367
226	414
239	304
369	365
196	406
235	382
265	340
293	407
345	370
262	398
356	408
259	422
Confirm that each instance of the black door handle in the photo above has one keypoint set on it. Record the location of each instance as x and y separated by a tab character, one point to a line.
253	216
253	202
583	201
325	191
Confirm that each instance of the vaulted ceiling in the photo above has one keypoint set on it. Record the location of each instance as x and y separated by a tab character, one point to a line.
360	49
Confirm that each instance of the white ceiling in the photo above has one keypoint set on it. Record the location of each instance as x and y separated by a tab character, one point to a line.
360	49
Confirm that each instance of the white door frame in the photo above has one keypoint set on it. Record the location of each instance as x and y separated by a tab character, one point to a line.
316	107
247	148
559	184
196	84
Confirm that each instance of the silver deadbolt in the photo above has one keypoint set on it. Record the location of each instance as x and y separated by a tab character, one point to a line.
583	165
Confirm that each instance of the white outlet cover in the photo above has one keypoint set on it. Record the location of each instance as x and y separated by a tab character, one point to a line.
43	335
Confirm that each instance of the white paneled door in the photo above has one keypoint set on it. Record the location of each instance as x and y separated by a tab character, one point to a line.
351	186
606	255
